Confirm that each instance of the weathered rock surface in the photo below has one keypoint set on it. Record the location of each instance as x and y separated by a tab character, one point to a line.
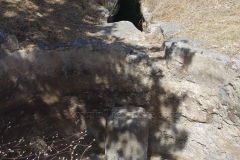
193	100
124	31
237	61
171	28
212	103
127	133
209	109
52	88
146	14
153	33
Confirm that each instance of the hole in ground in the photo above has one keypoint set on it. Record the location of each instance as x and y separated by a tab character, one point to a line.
130	10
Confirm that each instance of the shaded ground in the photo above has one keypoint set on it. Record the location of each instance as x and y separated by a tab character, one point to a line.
49	21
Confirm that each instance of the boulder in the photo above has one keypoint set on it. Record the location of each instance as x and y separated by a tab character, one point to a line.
127	134
171	28
153	33
124	31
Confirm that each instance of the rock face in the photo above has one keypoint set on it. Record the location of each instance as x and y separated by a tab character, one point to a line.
123	138
55	89
171	28
209	109
192	99
122	30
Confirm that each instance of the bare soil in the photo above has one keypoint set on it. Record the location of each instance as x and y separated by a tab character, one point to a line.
48	21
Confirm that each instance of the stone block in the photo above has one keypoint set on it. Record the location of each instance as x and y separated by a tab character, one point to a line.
127	134
171	28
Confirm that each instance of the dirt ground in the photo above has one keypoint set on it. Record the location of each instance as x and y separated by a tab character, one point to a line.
48	21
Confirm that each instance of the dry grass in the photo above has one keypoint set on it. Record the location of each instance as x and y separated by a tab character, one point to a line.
49	21
214	21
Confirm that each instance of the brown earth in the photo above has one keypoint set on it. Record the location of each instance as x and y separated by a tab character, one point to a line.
49	21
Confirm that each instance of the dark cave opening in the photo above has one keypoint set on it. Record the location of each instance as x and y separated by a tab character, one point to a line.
129	10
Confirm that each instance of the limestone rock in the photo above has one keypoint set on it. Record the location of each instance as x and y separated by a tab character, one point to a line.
210	81
153	33
237	61
123	30
193	61
171	28
199	94
147	15
184	39
137	56
127	134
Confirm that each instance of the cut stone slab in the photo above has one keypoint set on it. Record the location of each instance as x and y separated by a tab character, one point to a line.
123	30
198	65
127	134
173	48
171	28
10	45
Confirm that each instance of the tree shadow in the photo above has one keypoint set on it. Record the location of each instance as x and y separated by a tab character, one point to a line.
53	87
48	91
182	54
49	22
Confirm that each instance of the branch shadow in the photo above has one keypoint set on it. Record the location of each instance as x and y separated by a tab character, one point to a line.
48	91
49	22
52	87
